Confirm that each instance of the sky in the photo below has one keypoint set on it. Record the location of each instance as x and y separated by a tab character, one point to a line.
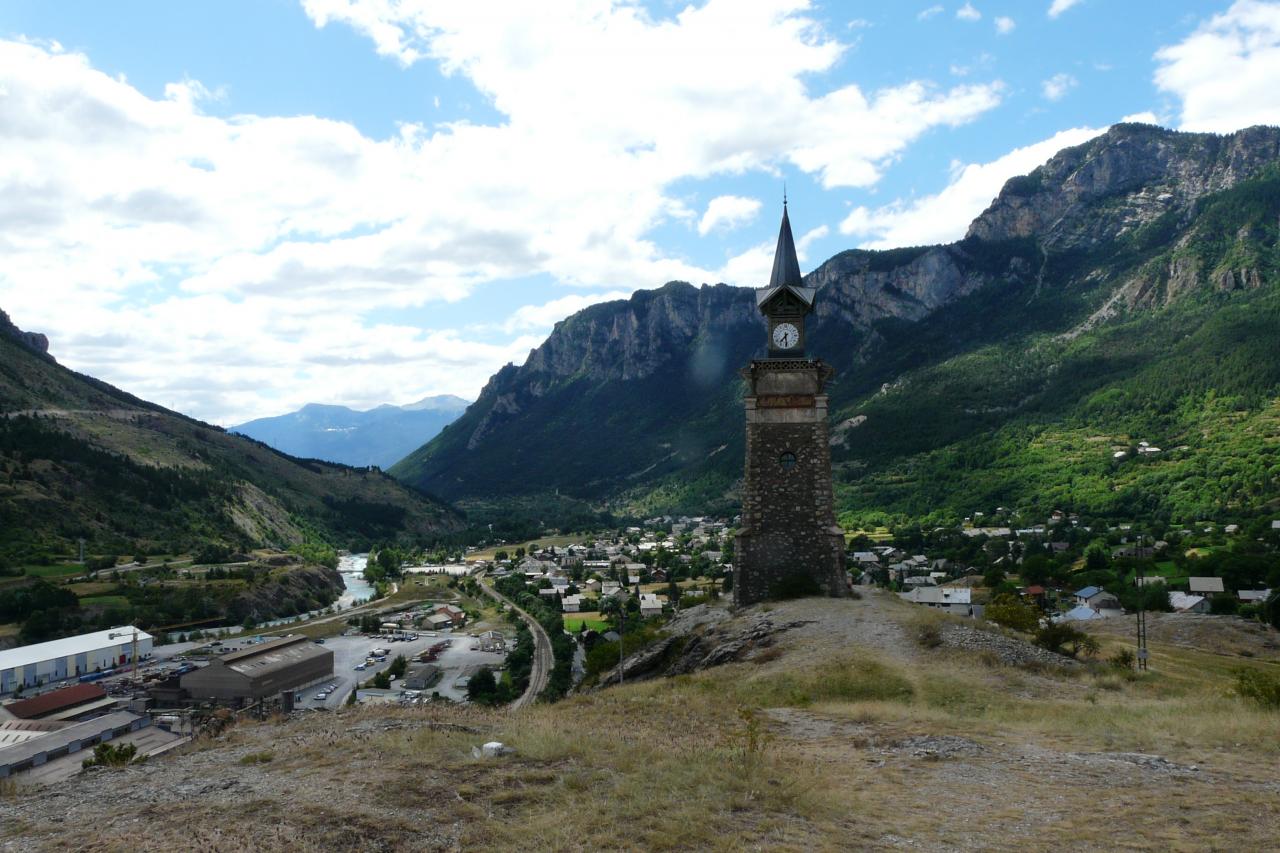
237	207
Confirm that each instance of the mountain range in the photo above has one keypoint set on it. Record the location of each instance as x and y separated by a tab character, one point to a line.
380	436
82	459
1124	292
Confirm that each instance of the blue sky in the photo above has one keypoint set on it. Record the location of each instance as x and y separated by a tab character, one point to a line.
234	208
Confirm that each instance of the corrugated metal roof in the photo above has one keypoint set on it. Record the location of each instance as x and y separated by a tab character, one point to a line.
62	737
56	700
269	657
69	646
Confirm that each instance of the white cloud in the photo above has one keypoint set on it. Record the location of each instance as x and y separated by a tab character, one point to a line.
1005	25
945	217
968	13
926	14
1144	117
808	239
1057	86
728	212
1225	72
230	244
1057	7
543	317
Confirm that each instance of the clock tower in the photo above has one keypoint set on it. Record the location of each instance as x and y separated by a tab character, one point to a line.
788	543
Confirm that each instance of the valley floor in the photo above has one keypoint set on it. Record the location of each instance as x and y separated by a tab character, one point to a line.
842	730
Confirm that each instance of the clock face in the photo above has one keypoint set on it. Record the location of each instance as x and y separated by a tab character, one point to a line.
785	336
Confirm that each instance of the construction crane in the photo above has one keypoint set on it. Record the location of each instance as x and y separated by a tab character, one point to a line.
133	653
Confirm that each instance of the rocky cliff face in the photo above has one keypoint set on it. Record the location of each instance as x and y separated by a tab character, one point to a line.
1131	175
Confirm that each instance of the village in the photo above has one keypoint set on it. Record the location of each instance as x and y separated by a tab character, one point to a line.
465	633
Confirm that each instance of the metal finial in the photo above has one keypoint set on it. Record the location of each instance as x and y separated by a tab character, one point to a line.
784	193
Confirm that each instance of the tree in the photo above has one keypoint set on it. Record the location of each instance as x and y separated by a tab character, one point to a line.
483	687
1011	612
1271	610
1223	604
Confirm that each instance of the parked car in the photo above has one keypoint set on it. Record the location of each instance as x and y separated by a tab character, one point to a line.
320	697
362	666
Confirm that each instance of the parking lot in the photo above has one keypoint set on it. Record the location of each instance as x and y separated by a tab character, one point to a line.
352	650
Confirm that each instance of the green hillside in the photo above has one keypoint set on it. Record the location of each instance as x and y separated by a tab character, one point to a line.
1005	406
81	459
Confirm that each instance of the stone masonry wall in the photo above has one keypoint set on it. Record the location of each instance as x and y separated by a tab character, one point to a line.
788	518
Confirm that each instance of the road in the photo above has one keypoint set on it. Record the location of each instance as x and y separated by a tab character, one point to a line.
543	659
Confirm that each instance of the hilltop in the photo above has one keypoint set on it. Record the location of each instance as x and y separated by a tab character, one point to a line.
1126	291
80	458
835	728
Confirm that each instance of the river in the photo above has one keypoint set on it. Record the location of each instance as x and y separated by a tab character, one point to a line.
356	588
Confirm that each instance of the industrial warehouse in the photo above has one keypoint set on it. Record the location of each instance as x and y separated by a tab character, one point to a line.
71	657
260	671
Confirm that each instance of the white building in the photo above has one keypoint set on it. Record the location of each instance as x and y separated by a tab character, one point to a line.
650	605
70	657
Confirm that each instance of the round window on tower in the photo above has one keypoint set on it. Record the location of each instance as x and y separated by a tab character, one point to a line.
787	460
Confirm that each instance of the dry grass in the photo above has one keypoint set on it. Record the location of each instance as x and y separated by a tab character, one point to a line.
856	750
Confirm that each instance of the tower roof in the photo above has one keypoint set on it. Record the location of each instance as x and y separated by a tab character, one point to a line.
786	268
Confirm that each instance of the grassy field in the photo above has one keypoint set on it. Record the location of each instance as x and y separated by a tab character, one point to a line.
61	571
573	620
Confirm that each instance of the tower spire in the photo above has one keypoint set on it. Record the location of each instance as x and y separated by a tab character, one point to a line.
786	268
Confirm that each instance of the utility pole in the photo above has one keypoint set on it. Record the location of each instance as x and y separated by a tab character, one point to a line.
82	550
1143	654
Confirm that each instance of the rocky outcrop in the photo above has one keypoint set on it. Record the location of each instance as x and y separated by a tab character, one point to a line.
288	593
33	341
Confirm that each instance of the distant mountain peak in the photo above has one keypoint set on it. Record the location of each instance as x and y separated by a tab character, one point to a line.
378	436
437	403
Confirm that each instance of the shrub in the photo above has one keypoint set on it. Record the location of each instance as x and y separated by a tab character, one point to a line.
929	635
1063	639
1261	687
1010	612
1123	659
113	755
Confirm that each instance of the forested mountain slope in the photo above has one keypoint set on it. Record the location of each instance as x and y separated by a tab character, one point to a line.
80	458
1125	291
